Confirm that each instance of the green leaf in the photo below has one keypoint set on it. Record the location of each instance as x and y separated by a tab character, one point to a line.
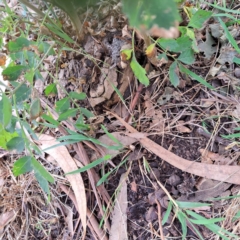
22	165
78	96
91	165
213	227
191	204
237	216
206	221
51	89
86	112
67	114
59	32
5	110
51	120
229	36
16	143
195	76
35	109
173	74
166	216
43	47
168	44
142	14
18	44
111	136
40	170
236	60
29	75
23	93
103	178
5	136
13	72
62	105
199	18
187	57
230	136
179	45
182	219
42	182
139	72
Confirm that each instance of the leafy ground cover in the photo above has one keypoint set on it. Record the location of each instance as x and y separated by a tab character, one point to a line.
115	132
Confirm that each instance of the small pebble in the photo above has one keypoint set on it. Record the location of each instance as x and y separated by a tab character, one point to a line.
237	72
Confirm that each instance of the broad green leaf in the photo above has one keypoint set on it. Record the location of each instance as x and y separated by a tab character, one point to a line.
42	182
166	216
69	113
43	47
22	165
86	112
5	110
91	165
179	45
51	89
191	204
168	44
139	72
32	59
62	105
173	74
195	76
35	109
78	96
16	143
229	36
184	43
187	57
23	93
199	18
39	169
29	75
5	137
51	120
143	14
13	72
236	60
18	44
18	56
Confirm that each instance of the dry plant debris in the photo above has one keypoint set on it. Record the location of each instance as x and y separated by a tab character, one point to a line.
178	133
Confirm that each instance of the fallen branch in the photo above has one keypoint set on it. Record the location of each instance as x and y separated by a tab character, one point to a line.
221	173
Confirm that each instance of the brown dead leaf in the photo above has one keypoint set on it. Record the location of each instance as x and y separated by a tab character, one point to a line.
3	60
5	218
181	128
118	229
172	32
217	172
133	186
65	161
213	158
